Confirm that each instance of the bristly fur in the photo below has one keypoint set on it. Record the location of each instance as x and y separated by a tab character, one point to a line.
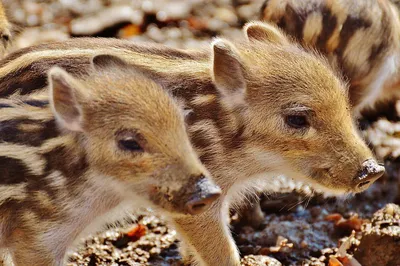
63	172
5	30
237	98
361	37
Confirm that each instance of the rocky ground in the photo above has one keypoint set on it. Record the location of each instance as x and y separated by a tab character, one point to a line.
299	227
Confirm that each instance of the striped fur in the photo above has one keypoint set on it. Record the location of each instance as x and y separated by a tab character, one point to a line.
237	100
5	30
361	37
60	178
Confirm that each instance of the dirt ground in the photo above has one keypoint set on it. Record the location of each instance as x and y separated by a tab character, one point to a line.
299	227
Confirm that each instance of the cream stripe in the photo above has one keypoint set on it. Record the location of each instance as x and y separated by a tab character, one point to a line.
174	65
29	58
50	144
313	28
17	113
17	192
202	100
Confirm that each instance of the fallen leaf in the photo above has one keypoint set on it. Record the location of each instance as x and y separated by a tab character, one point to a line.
334	262
129	31
137	232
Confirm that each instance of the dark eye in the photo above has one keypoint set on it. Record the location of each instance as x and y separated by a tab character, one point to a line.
297	121
130	140
129	145
5	37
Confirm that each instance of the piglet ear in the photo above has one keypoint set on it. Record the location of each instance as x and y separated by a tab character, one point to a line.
66	96
103	62
261	31
227	71
113	63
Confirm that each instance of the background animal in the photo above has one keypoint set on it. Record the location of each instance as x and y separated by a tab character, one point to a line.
360	38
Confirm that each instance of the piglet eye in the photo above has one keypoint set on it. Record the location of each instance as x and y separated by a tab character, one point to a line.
130	140
297	121
129	145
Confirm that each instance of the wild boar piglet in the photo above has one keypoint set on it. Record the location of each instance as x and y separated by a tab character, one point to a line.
86	149
255	108
360	36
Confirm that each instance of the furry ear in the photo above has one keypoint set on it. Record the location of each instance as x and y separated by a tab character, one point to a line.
112	63
66	94
108	62
228	71
260	31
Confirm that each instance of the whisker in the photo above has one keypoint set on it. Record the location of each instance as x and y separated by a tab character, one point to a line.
297	204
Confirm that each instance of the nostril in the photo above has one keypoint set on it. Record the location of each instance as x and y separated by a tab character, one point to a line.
370	172
363	184
199	205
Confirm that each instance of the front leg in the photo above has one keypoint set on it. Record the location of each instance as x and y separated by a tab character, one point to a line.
252	214
38	243
207	239
30	251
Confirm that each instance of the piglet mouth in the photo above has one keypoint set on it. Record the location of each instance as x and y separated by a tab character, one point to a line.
325	181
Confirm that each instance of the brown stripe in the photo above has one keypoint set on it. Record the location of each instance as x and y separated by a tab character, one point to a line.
13	171
386	26
199	140
10	211
42	212
24	80
101	43
72	166
40	184
212	111
34	76
236	140
377	52
4	105
350	27
294	22
355	94
216	113
10	131
186	87
329	23
37	103
263	8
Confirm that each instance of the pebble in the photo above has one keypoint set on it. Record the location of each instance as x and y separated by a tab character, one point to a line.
157	239
379	244
259	260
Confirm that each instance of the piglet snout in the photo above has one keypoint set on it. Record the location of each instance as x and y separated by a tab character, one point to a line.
369	173
206	192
